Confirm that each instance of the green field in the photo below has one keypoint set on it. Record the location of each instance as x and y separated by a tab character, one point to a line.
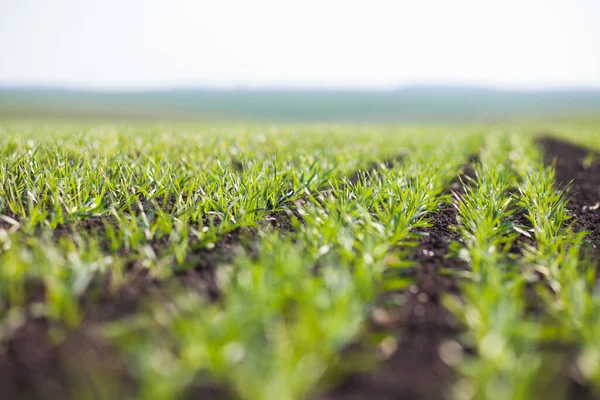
403	104
262	262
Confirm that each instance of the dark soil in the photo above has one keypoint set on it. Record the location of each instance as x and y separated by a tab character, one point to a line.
283	221
415	370
10	223
582	183
363	174
33	365
465	177
584	190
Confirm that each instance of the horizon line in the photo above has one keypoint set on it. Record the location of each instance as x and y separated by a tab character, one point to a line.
300	88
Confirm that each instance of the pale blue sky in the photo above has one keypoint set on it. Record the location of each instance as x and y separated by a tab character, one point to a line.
134	44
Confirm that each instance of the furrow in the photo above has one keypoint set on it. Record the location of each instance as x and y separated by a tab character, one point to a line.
420	365
578	171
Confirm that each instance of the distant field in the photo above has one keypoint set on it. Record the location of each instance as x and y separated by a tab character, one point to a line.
284	262
410	104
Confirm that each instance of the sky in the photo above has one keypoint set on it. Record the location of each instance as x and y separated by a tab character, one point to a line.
374	44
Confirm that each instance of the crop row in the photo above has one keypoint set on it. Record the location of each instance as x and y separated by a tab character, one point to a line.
80	207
